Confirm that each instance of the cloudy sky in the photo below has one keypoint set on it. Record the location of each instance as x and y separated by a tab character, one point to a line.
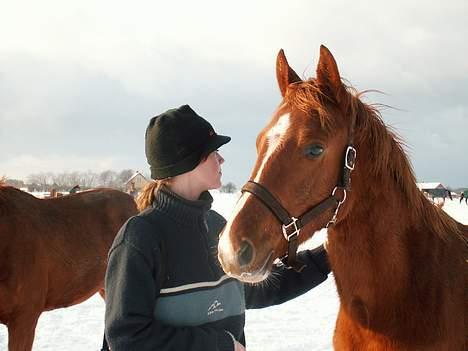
80	80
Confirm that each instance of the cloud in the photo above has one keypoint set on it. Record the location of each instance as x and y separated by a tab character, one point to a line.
82	79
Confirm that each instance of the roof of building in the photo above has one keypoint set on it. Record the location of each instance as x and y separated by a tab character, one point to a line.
433	185
136	174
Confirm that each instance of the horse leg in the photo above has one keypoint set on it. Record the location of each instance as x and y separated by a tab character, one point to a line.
21	331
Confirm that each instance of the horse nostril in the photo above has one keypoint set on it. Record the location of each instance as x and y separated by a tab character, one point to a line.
245	253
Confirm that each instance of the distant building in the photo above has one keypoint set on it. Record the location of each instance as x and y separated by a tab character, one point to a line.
429	186
433	189
136	183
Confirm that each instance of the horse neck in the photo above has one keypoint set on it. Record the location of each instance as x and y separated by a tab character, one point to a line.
377	218
385	238
370	242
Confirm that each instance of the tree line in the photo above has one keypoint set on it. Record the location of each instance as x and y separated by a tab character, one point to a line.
64	181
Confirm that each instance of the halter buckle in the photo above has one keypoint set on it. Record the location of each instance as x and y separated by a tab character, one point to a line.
350	157
286	227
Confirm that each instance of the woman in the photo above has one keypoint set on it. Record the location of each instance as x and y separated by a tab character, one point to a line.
164	287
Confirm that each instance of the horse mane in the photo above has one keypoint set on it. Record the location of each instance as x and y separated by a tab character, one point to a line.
388	161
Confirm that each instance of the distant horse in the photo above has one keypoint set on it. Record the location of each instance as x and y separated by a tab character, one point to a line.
53	253
399	262
464	195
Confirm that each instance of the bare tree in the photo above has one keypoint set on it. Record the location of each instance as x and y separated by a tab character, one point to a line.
90	179
75	178
64	181
108	179
17	183
125	175
60	181
228	188
43	179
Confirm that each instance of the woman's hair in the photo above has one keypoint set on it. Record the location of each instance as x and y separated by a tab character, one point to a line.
147	195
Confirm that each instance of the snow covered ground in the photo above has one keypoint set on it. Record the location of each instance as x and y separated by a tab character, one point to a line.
305	323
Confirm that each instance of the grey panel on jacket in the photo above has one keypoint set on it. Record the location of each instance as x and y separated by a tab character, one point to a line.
201	306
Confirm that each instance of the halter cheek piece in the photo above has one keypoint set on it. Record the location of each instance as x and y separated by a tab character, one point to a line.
291	226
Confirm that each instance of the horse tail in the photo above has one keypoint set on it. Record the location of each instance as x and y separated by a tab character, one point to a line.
146	197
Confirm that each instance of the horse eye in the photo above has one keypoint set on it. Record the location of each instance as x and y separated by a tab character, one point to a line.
314	151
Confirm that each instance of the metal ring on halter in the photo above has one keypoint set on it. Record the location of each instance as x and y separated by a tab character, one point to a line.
287	226
344	195
350	164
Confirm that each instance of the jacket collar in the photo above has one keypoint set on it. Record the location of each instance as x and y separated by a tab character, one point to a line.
180	209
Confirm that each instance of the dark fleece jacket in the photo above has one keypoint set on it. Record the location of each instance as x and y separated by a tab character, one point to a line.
166	291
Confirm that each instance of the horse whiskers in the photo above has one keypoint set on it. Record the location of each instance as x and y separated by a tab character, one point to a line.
273	280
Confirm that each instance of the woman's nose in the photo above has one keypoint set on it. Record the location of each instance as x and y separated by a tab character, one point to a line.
220	159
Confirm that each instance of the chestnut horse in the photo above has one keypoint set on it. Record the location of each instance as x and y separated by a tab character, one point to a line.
400	264
53	253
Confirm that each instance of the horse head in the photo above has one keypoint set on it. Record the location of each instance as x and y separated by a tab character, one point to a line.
320	137
302	157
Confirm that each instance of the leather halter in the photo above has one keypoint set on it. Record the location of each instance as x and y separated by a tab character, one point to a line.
291	226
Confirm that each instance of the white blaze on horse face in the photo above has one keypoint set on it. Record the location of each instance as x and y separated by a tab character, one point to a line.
225	244
275	137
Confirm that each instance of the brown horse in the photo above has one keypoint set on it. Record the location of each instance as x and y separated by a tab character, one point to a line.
53	253
400	264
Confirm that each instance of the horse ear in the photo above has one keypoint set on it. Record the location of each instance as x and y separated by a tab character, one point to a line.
284	74
328	77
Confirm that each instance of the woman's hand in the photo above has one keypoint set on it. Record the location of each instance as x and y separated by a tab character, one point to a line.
238	346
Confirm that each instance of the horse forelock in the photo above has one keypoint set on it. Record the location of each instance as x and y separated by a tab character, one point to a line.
388	158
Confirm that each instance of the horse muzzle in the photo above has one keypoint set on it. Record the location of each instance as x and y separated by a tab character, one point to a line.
243	262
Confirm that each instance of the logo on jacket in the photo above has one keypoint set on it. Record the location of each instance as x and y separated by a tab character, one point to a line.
215	307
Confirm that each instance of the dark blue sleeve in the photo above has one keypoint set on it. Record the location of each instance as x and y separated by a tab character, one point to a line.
287	284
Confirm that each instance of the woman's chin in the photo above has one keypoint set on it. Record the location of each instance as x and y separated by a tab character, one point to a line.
216	186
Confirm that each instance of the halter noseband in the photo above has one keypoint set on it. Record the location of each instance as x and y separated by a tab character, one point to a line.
291	226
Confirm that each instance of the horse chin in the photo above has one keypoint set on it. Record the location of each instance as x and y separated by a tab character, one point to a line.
256	275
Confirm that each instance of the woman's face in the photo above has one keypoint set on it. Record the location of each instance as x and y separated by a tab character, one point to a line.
208	172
